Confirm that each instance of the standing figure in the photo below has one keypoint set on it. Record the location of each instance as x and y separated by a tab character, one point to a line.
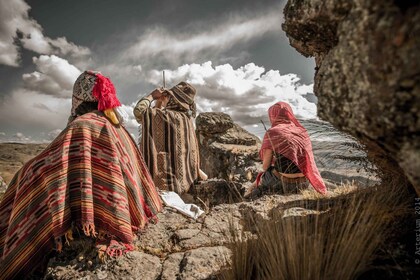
168	139
286	152
90	179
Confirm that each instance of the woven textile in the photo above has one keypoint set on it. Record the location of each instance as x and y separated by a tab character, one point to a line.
91	176
82	90
170	149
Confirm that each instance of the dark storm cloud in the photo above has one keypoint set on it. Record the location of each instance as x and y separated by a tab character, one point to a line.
132	41
16	25
236	33
42	107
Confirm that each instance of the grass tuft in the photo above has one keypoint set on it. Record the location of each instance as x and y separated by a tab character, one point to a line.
336	241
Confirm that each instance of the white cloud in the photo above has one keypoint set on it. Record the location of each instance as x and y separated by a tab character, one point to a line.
54	76
161	43
245	93
53	134
21	137
131	124
14	19
31	111
61	46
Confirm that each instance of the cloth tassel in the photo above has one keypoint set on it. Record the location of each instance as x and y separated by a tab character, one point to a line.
101	235
69	236
117	249
101	252
89	230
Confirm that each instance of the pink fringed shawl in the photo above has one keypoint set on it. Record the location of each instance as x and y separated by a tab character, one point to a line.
289	138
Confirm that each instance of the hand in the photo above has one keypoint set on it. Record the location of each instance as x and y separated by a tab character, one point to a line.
162	101
158	93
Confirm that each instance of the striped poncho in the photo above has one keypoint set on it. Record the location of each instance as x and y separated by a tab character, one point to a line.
170	147
91	176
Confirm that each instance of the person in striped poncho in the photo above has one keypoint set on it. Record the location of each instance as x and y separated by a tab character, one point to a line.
168	139
91	177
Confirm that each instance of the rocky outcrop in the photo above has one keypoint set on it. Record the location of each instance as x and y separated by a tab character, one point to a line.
367	75
227	151
176	247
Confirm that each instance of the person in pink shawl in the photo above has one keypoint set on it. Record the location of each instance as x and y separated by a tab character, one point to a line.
286	152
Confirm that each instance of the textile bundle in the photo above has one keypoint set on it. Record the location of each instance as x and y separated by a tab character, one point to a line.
170	149
91	176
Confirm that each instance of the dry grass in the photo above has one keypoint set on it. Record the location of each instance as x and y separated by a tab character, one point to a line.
337	244
342	189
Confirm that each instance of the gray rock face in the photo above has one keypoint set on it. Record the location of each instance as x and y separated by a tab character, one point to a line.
176	247
195	264
213	122
367	77
227	151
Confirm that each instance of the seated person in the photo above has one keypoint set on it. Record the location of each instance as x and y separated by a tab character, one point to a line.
91	177
286	152
168	139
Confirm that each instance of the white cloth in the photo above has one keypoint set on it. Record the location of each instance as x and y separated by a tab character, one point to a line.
173	200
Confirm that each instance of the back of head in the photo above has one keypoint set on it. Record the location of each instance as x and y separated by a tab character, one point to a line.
92	91
281	112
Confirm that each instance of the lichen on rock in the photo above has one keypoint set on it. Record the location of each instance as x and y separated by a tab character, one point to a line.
367	76
227	151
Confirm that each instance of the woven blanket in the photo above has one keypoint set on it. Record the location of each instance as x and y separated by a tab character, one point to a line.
91	176
170	149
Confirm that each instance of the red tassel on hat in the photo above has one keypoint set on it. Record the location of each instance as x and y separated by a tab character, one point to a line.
104	92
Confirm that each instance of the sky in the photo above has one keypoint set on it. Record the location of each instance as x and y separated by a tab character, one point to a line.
234	52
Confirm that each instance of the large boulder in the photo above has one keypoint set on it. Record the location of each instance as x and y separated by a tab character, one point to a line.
367	75
227	151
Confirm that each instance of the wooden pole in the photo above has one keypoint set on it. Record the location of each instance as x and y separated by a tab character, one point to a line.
163	77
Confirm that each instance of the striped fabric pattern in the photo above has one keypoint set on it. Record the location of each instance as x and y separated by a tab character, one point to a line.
170	149
91	176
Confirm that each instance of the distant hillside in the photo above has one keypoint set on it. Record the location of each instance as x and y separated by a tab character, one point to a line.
14	155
